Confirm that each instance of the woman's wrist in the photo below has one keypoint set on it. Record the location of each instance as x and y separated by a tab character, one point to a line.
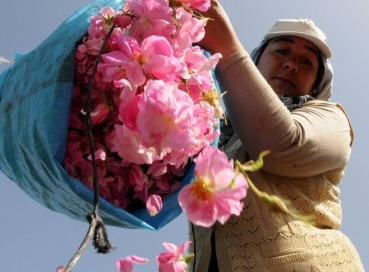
229	50
226	63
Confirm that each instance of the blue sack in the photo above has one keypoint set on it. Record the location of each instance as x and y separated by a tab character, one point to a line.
35	101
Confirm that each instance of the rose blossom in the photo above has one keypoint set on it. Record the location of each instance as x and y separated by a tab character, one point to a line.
217	191
173	261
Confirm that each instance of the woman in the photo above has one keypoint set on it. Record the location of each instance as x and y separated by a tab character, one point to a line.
277	99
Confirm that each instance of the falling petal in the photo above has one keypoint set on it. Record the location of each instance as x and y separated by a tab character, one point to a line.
154	204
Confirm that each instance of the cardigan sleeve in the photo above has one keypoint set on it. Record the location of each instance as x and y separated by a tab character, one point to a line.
308	141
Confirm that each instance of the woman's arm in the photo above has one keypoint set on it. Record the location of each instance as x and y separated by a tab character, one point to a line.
311	141
306	142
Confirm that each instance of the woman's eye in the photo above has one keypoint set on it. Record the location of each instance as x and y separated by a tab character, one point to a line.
306	61
281	51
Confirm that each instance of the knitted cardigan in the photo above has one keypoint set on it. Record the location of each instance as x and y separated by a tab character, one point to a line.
304	168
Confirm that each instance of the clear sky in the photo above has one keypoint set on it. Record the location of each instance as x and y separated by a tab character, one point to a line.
35	239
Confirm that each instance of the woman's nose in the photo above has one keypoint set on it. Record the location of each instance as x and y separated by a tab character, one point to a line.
291	65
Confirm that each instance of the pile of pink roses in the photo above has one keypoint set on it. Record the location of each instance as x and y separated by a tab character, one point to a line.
154	104
154	110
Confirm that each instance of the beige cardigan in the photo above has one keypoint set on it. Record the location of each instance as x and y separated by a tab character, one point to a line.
310	149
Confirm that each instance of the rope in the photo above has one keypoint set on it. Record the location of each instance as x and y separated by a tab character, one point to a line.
97	229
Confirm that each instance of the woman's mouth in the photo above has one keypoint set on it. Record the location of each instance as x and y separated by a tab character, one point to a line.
285	81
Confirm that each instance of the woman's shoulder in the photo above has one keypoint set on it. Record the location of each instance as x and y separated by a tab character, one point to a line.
327	109
324	105
331	112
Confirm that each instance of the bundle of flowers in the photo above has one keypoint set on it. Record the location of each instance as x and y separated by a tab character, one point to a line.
154	102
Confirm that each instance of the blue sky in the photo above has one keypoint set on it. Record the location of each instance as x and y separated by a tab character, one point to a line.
35	239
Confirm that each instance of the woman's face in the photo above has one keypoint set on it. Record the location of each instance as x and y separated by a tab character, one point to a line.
290	65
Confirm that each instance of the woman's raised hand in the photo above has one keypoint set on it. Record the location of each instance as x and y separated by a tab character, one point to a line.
220	35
